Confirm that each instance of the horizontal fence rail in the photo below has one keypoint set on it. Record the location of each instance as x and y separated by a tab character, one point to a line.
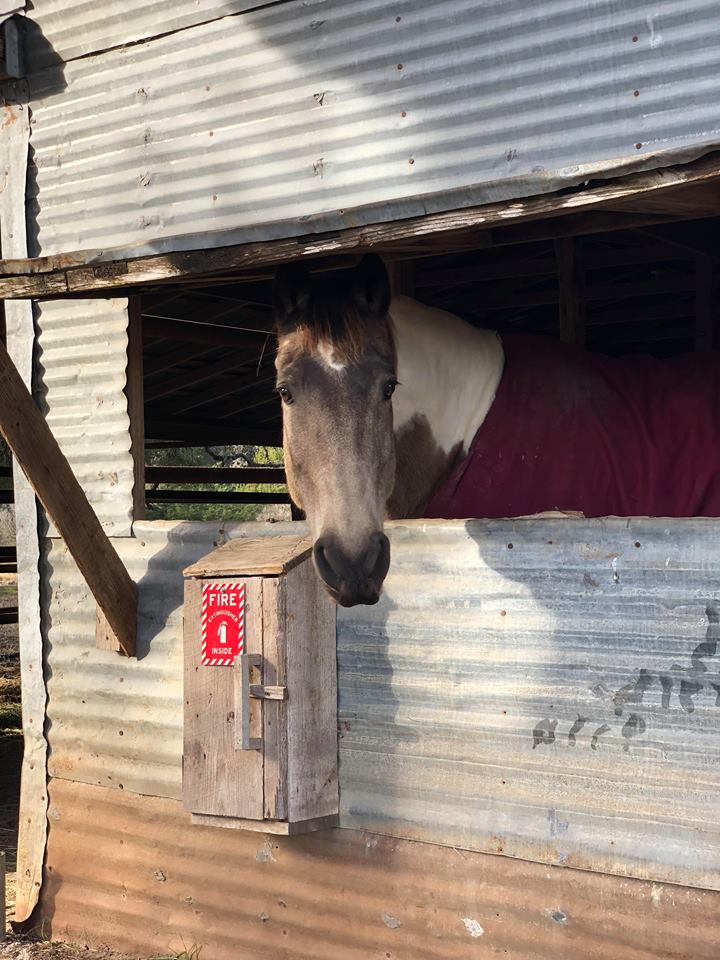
214	475
213	496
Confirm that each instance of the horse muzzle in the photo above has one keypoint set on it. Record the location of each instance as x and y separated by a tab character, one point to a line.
355	578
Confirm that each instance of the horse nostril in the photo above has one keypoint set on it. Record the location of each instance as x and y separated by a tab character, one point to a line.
381	563
322	554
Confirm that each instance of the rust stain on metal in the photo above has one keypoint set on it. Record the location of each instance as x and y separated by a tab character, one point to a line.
328	894
11	116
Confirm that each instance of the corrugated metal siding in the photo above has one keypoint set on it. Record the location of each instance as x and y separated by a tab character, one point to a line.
67	29
460	693
330	113
133	873
115	720
545	689
82	373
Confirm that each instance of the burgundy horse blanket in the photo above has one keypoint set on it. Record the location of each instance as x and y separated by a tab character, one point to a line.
579	431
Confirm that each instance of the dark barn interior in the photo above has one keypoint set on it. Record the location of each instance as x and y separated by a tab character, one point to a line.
208	344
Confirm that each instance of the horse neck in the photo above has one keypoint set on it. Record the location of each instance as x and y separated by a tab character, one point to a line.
449	373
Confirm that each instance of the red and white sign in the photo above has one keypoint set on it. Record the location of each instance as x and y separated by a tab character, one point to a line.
223	623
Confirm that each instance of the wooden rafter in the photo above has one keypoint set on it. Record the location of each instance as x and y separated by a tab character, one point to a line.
570	291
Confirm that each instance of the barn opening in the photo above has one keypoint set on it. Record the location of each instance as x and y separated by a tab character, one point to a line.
618	284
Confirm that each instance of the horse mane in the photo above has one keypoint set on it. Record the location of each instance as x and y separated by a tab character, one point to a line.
333	316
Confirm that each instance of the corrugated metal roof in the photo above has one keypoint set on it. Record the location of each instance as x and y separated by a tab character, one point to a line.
134	873
551	701
67	29
329	113
82	373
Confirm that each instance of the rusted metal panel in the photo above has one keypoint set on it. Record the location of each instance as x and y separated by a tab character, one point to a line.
134	873
545	689
82	360
305	117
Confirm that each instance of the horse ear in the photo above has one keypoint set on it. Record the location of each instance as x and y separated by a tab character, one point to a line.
291	293
371	285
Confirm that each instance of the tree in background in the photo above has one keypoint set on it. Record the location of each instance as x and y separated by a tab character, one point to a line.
227	456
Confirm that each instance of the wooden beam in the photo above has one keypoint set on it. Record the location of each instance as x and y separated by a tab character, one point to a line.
499	298
402	278
214	496
183	475
609	316
173	357
74	273
704	304
202	434
188	378
692	238
570	288
209	334
46	468
519	267
221	387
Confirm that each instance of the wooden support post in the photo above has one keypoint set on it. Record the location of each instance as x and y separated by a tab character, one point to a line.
134	391
704	304
570	285
56	487
402	278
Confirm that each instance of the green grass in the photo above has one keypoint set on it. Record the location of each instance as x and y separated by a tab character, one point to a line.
10	708
187	953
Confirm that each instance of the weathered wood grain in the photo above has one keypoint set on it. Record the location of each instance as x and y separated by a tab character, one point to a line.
266	556
275	712
218	778
278	828
84	271
312	765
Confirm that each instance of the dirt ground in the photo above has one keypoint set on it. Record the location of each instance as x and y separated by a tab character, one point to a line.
23	947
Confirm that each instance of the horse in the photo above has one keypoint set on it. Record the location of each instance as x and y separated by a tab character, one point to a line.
392	409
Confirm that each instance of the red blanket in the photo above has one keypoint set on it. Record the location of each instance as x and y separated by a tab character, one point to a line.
579	431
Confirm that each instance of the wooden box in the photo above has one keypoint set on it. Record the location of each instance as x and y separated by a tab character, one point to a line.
260	731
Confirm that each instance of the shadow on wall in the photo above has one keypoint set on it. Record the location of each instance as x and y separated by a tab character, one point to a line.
172	546
44	77
524	687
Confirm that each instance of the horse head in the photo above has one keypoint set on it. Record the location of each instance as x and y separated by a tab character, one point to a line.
336	373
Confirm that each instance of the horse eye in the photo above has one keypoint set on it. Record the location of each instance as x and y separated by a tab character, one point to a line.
285	395
390	388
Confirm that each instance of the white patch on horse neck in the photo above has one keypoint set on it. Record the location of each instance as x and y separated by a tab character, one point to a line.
326	351
449	371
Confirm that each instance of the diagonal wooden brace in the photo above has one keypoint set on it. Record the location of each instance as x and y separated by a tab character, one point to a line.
56	487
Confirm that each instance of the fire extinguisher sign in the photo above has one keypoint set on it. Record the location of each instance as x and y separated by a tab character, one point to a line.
223	623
